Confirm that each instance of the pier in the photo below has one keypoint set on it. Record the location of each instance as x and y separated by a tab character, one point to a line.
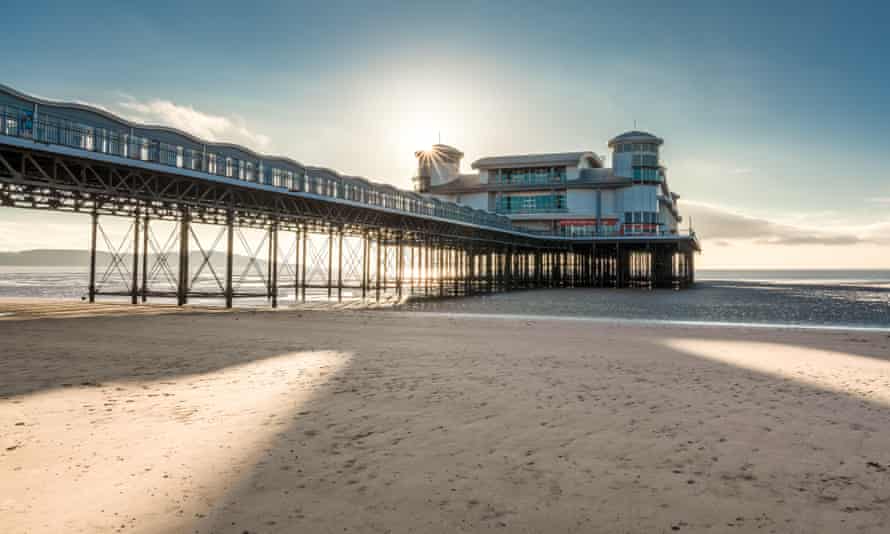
303	229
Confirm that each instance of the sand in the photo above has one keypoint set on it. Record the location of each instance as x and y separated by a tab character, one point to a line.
313	421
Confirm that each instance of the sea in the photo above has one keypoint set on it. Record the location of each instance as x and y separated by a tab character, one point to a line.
802	298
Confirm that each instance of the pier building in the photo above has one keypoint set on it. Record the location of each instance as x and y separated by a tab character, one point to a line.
566	194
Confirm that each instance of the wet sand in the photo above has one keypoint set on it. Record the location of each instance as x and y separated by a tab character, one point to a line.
312	421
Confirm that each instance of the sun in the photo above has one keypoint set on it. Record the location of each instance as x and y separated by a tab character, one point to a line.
416	133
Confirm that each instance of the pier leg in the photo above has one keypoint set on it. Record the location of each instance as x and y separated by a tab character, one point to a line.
230	252
557	263
466	269
681	270
182	293
269	265
297	267
549	269
95	229
340	266
653	255
427	265
273	285
508	267
385	264
619	267
377	271
554	269
594	275
145	240
474	271
330	263
556	258
440	270
488	272
365	251
134	290
526	269
413	278
303	235
400	265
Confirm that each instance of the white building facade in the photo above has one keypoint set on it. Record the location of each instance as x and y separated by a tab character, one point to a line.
569	193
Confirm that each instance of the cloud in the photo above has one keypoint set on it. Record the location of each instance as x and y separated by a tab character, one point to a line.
721	226
823	239
214	128
742	170
880	200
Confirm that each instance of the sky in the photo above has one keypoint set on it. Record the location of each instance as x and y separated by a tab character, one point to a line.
775	115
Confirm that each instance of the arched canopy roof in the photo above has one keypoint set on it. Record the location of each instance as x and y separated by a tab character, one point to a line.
636	136
536	160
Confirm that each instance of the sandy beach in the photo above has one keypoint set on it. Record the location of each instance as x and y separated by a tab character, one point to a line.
380	421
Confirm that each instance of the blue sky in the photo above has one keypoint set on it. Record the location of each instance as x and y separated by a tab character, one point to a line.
776	115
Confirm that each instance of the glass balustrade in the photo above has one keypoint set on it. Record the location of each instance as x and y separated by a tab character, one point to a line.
549	177
53	130
519	204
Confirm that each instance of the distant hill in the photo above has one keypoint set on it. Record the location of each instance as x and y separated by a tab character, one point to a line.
49	258
81	258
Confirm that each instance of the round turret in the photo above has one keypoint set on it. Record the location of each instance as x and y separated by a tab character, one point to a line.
437	166
635	155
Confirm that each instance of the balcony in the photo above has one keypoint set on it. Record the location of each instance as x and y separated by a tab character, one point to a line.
526	210
529	178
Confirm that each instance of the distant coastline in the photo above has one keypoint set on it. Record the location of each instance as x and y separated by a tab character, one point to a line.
81	258
47	258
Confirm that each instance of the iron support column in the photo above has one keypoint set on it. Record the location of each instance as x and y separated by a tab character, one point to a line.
440	267
304	236
340	265
134	290
425	265
488	272
377	271
467	271
330	263
365	253
145	240
509	266
297	267
400	266
95	229
230	251
269	265
273	283
413	277
182	293
651	265
385	264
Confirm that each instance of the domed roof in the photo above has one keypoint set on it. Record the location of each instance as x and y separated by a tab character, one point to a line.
441	151
636	136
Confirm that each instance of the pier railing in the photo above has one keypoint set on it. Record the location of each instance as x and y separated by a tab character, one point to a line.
52	129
